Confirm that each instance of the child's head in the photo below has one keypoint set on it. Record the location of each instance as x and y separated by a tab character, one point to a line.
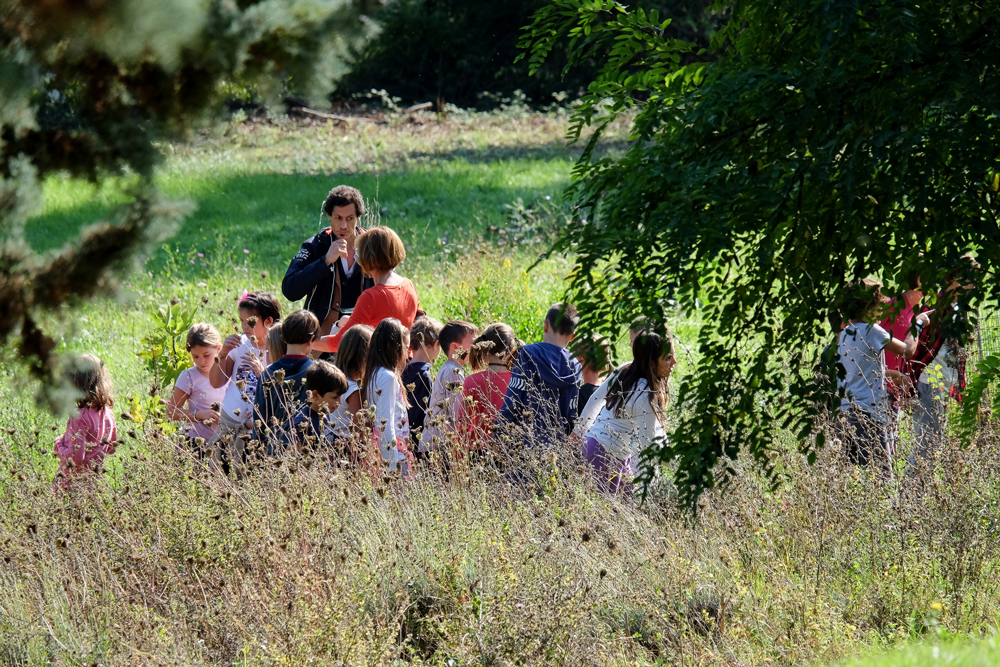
276	346
637	327
594	352
652	360
326	384
387	350
379	250
497	340
560	322
89	376
654	353
424	335
258	313
456	339
204	343
300	328
862	298
353	351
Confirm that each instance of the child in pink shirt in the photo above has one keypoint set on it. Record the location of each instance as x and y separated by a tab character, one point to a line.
194	388
91	434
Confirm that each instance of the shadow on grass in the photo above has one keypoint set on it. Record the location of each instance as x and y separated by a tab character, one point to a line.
271	214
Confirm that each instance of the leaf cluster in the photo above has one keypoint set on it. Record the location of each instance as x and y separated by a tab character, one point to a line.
824	142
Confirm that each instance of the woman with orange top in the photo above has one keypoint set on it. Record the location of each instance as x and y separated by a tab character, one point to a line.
378	252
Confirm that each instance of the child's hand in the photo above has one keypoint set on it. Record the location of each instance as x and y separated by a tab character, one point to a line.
252	360
210	416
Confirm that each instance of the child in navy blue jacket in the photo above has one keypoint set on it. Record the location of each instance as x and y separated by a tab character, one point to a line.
544	383
282	387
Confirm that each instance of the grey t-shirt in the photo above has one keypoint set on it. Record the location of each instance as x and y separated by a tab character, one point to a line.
862	354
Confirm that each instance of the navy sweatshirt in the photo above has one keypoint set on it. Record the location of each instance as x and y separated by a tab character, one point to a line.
544	382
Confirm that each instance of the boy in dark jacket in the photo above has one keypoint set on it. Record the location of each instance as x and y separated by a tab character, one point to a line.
544	385
324	271
282	386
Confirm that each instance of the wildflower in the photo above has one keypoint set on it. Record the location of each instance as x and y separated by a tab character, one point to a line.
246	251
547	197
192	261
201	254
385	208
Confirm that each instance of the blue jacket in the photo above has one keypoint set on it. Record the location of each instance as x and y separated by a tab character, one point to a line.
544	383
309	276
279	402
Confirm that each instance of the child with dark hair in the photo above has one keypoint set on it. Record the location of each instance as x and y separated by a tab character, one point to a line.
283	383
492	355
938	366
424	349
241	361
543	382
325	384
383	391
865	400
91	435
625	415
351	359
442	408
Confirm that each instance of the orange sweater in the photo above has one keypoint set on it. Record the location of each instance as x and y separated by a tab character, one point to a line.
376	304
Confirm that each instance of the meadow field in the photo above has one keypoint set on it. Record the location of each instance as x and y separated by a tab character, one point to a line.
164	562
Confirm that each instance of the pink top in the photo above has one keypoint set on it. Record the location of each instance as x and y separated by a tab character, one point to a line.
380	303
487	390
89	437
201	395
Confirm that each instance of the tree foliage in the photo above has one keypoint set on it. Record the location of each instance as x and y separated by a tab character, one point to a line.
87	88
457	49
825	141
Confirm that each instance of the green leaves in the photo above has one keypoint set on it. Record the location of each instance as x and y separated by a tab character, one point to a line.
825	142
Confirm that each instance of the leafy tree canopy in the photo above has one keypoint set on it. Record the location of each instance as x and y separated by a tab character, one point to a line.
826	141
458	49
87	87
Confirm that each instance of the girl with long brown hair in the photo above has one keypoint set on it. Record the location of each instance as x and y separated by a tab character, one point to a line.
626	414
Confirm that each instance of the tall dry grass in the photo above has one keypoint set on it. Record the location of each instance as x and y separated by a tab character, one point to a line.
166	562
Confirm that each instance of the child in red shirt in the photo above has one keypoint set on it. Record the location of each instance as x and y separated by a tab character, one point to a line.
493	352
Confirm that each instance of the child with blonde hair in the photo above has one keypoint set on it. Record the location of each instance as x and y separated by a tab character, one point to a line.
194	387
91	435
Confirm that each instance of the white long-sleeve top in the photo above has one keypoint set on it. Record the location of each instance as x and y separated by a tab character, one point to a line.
387	396
623	436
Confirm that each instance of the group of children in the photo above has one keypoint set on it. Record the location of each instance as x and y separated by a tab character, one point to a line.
274	390
898	355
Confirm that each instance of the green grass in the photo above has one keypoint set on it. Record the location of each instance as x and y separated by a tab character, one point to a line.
933	654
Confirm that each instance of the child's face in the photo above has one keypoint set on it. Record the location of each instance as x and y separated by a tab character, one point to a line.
259	329
465	345
330	399
204	357
666	363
